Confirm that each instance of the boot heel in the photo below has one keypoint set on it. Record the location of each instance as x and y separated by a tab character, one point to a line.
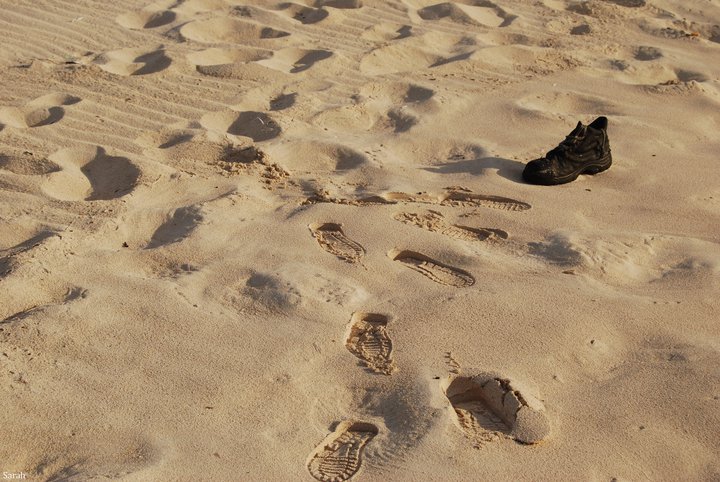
599	167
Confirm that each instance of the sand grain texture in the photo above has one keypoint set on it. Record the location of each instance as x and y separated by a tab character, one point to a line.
197	195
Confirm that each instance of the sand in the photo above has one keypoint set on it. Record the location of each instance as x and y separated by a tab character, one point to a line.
272	240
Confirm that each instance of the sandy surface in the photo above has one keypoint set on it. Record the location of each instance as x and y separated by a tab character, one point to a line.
270	241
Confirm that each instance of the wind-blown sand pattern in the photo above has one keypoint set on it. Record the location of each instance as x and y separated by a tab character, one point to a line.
196	194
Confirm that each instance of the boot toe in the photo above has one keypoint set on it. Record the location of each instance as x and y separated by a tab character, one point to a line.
538	171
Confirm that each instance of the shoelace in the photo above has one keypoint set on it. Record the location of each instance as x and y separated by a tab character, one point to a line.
570	142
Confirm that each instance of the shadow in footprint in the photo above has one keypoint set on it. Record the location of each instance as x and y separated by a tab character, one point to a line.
628	3
26	164
154	62
646	53
89	174
688	75
225	30
175	140
349	159
339	3
488	406
110	177
507	168
306	15
44	117
432	269
455	58
340	455
557	249
369	341
146	19
256	125
283	101
403	32
133	62
183	222
418	94
401	121
332	239
307	60
6	255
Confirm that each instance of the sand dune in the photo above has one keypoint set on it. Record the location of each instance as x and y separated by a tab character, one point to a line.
260	240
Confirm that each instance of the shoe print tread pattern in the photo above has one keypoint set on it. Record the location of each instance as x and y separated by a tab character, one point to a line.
339	456
434	270
449	198
458	198
331	238
488	408
434	221
369	341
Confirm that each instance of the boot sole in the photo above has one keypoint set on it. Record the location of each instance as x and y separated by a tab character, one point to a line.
596	167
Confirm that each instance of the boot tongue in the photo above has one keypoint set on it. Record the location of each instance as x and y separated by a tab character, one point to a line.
579	130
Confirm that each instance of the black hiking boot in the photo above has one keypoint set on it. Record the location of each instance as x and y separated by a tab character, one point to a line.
586	150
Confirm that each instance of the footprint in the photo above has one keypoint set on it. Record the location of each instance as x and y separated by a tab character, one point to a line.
628	3
582	29
42	111
408	54
315	156
193	149
451	198
189	147
256	125
582	8
8	261
331	238
385	107
146	19
690	76
90	174
294	60
435	222
228	30
488	407
283	101
339	456
473	12
369	341
226	63
435	270
395	93
133	61
183	222
569	102
345	118
465	199
303	14
386	32
71	294
646	53
339	3
27	164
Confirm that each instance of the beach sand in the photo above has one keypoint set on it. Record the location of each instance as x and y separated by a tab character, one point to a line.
264	240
